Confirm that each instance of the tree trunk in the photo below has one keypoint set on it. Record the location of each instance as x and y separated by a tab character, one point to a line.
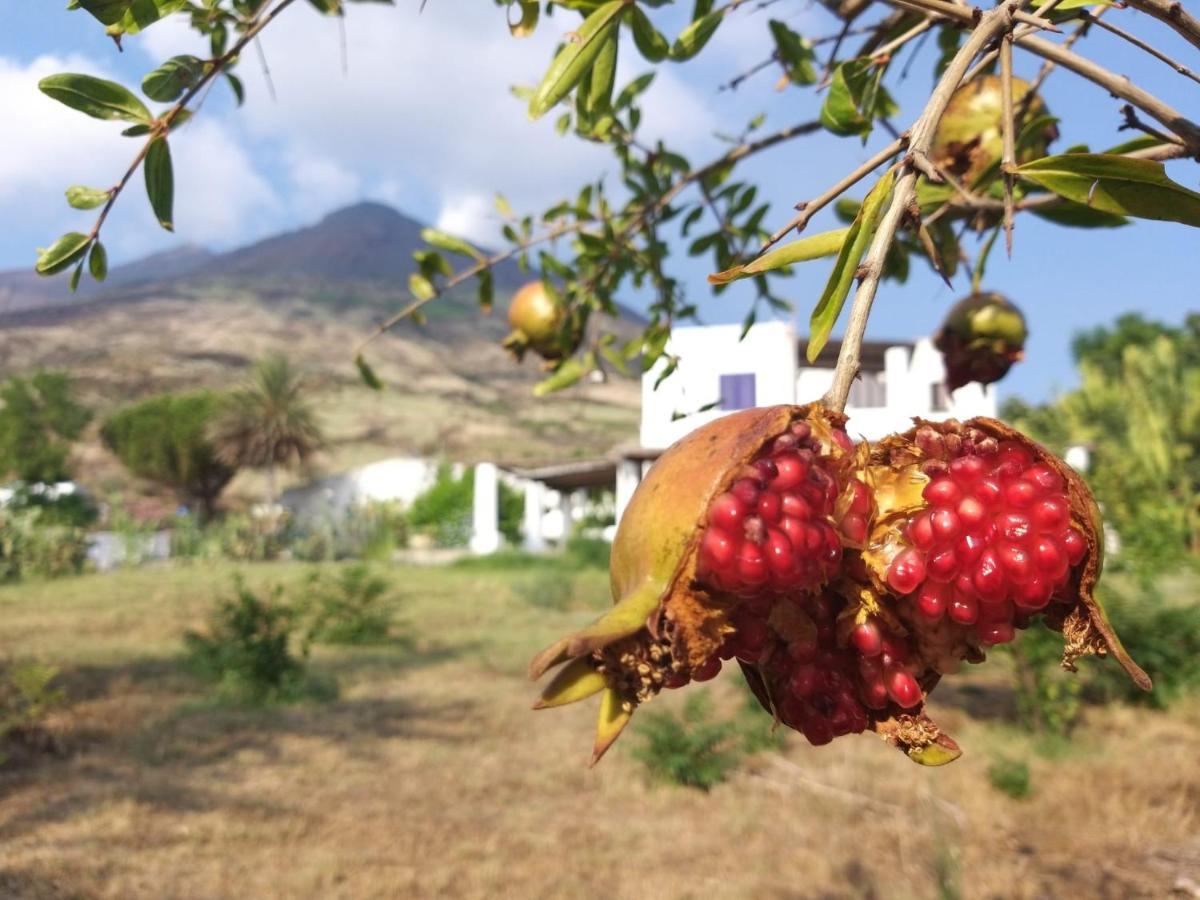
270	485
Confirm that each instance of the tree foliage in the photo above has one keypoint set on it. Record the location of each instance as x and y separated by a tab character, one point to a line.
268	423
166	439
39	418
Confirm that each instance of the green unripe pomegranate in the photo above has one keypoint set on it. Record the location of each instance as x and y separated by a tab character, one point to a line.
542	324
980	339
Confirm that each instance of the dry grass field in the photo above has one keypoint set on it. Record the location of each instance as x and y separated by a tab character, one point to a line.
430	777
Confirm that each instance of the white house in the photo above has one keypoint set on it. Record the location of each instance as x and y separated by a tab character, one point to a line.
717	374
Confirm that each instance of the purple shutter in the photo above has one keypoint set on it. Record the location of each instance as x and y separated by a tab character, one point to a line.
737	391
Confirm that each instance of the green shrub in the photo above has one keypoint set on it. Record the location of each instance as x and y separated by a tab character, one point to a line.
248	650
29	548
548	590
26	696
1010	777
588	551
443	512
692	750
351	607
372	531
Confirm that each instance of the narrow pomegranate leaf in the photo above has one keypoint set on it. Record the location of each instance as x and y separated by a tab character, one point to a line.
95	97
575	58
449	243
81	197
604	75
829	307
108	12
160	182
568	372
525	25
648	39
367	374
693	38
814	246
421	287
67	250
172	78
98	261
1116	184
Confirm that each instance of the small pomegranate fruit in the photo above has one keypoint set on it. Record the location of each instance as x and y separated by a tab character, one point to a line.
980	339
542	324
969	140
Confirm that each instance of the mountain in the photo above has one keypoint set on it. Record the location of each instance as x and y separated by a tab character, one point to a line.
190	319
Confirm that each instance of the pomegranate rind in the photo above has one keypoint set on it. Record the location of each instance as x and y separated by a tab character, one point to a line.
615	713
1076	612
919	738
575	681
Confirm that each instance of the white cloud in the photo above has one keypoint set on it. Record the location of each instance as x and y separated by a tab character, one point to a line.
472	216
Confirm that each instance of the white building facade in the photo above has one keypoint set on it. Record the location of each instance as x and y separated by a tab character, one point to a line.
718	374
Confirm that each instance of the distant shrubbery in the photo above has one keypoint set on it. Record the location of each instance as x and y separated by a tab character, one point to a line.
30	548
443	511
26	696
350	606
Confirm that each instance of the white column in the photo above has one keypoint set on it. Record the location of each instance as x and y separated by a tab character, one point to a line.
629	474
485	515
565	508
532	539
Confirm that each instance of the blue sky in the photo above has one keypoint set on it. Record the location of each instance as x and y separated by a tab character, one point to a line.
421	118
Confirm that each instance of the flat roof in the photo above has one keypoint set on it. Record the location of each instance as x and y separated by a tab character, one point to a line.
871	356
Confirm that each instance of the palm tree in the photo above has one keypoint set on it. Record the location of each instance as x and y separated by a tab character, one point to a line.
268	422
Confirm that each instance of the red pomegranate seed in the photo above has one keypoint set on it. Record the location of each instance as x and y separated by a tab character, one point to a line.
805	680
767	470
968	548
843	440
989	576
801	431
727	513
1013	526
707	670
746	490
931	599
1013	459
867	638
1033	595
874	692
675	680
1044	477
964	609
816	729
945	524
894	649
1050	558
854	527
1000	610
1074	544
861	502
971	512
987	490
906	572
803	649
792	471
902	687
920	532
942	564
967	469
964	584
942	492
751	564
1016	560
795	531
795	506
750	639
770	508
1052	513
781	558
1020	493
717	549
995	632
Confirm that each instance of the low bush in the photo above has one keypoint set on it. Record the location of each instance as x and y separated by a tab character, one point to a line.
694	749
1010	777
30	548
253	650
351	606
27	694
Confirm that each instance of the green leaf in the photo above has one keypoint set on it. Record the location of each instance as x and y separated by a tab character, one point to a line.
82	197
693	38
648	39
524	26
235	85
63	253
1116	184
630	92
568	373
856	98
449	243
421	287
73	284
814	246
96	97
829	307
144	13
172	78
576	57
604	76
367	374
503	207
108	12
795	53
160	182
1076	215
486	290
98	261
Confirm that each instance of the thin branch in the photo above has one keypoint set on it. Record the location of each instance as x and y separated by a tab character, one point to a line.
969	13
810	208
1173	13
164	122
991	25
266	69
1008	158
634	225
1139	43
1132	121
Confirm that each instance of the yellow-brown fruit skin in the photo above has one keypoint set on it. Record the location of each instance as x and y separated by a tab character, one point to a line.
969	139
541	324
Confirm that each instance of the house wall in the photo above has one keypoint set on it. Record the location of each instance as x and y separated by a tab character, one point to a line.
768	352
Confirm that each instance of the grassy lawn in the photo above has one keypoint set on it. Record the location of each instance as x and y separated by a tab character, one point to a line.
430	776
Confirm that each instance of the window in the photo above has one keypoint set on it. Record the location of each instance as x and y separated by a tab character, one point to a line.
737	391
939	400
867	391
